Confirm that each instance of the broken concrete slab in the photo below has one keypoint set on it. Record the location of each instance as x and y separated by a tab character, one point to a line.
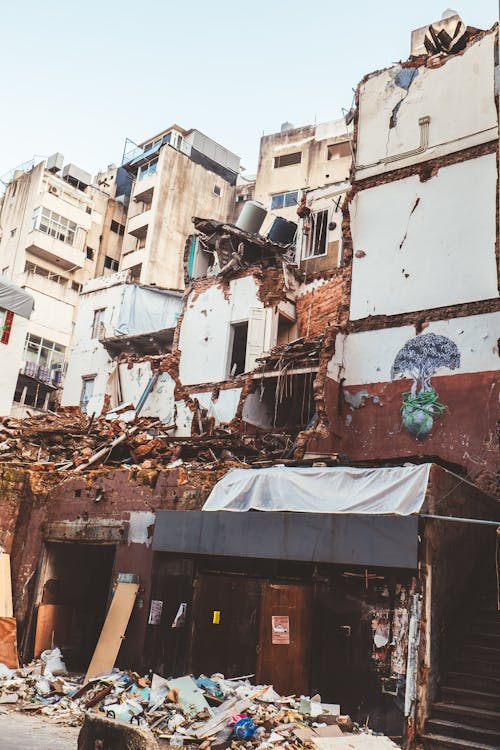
111	733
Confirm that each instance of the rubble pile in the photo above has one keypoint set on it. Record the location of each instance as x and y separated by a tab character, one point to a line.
71	440
299	353
203	713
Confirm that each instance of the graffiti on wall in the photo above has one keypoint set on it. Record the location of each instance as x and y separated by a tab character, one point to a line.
419	359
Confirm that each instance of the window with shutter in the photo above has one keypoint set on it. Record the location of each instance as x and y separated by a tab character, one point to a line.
256	333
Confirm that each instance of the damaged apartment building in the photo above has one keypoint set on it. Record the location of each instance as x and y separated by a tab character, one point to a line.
59	228
273	430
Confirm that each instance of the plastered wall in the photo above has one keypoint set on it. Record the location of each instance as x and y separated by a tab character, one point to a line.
420	245
458	96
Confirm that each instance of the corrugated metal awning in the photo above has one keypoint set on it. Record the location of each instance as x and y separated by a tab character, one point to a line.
346	539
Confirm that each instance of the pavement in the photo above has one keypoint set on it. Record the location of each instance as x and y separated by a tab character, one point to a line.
20	731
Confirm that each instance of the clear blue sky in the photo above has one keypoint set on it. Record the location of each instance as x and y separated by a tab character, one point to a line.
78	76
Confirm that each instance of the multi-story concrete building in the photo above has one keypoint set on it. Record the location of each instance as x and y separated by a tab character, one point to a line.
58	229
307	167
177	174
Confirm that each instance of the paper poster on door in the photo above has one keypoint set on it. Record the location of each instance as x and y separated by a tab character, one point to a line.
280	629
155	612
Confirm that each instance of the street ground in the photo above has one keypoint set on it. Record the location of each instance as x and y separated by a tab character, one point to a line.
20	731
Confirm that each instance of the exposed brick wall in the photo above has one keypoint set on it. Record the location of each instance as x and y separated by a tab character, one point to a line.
318	309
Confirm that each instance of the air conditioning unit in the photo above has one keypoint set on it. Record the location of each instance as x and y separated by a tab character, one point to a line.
54	190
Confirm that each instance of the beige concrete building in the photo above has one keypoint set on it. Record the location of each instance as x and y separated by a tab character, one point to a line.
298	159
59	228
309	166
176	175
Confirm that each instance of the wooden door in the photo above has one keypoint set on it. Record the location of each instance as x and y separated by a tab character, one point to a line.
285	637
225	625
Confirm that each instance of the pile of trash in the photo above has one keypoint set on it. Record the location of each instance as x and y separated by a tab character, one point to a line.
199	713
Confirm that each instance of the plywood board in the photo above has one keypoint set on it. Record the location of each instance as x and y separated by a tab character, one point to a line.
5	586
53	627
354	742
8	642
113	631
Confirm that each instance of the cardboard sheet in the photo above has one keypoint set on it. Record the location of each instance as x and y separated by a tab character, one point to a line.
53	627
5	586
113	631
8	642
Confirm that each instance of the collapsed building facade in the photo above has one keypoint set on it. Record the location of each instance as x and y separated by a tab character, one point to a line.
341	348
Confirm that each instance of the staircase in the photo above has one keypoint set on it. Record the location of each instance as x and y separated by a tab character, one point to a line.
467	714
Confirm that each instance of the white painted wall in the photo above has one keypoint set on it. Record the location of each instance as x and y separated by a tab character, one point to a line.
88	356
366	357
458	97
10	362
205	330
446	246
223	409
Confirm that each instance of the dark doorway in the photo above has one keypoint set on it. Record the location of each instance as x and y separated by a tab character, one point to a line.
285	637
77	580
225	625
239	333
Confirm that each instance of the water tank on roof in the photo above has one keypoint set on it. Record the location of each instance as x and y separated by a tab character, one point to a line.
282	231
286	126
252	217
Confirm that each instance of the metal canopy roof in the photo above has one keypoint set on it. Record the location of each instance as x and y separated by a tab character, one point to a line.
15	299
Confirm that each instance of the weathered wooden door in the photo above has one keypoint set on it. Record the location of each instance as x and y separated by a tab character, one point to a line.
225	622
285	637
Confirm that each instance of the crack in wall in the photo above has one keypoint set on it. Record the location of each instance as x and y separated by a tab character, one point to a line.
408	224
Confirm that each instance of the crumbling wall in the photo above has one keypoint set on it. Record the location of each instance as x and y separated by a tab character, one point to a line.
456	93
318	305
69	508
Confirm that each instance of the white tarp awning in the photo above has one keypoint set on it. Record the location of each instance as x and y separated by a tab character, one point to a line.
15	299
397	490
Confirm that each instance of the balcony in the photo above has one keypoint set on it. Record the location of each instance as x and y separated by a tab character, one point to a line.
138	225
133	259
143	189
49	248
49	287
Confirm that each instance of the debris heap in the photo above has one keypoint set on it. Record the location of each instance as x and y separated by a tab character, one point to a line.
209	712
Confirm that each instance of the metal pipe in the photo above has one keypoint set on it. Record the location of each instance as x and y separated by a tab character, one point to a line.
460	520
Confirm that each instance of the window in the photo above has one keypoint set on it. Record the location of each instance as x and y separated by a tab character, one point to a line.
286	160
217	190
239	334
97	323
117	228
110	263
88	382
76	287
6	318
90	253
284	200
54	225
43	352
148	169
39	271
337	150
316	235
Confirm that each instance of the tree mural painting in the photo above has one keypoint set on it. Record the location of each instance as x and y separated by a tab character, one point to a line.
419	358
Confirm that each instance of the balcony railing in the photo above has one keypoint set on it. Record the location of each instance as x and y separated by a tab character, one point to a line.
59	252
